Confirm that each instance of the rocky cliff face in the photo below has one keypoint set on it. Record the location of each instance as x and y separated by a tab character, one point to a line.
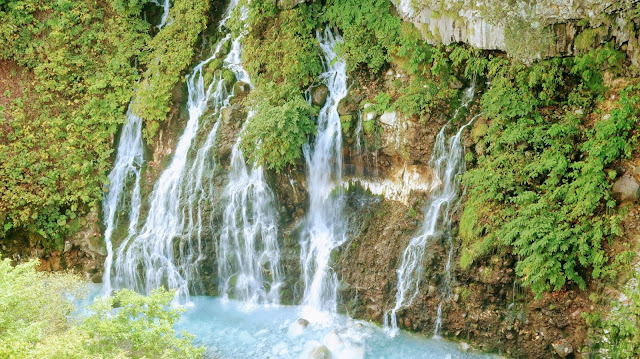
527	30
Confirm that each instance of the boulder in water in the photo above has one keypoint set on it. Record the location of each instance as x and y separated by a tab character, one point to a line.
297	328
320	352
333	341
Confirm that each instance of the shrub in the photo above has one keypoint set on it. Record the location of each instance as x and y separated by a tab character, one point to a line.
36	320
279	127
172	50
369	30
72	82
543	181
617	334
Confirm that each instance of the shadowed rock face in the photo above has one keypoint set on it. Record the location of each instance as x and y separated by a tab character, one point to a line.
526	30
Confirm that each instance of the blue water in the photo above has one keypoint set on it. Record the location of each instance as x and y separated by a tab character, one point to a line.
233	330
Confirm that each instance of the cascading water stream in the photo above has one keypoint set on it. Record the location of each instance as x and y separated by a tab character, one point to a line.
447	162
324	229
248	253
148	261
129	159
128	164
166	5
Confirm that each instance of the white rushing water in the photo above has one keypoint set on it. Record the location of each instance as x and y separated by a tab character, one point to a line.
447	162
129	159
169	247
248	255
229	330
324	230
166	6
248	252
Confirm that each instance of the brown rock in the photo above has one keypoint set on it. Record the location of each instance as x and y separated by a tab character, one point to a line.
319	95
563	348
289	4
626	188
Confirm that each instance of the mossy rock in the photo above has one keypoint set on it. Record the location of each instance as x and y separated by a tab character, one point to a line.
589	38
479	130
229	77
346	121
369	127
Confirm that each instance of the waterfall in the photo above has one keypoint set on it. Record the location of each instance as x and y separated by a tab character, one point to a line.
358	134
247	252
129	158
447	162
166	5
324	229
175	219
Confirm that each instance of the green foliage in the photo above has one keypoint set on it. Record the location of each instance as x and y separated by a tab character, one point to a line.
71	83
129	7
541	185
282	57
32	306
171	52
429	69
36	320
590	66
620	329
369	30
140	327
279	127
280	46
382	103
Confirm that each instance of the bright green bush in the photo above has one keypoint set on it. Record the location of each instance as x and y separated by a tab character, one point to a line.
281	47
36	320
279	127
369	30
141	327
282	56
617	334
32	306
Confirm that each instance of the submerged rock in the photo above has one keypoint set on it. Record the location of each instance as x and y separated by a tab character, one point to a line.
297	328
320	352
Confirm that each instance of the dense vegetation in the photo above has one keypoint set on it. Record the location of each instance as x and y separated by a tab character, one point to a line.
70	76
37	320
69	82
541	182
620	328
283	58
540	173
